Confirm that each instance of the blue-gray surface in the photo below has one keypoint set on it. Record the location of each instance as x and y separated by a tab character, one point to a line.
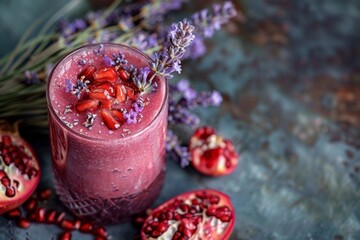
291	78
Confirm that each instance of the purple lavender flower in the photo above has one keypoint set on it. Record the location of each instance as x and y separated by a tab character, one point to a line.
183	85
31	78
207	22
126	23
79	87
180	37
100	50
216	98
175	150
80	24
197	49
119	59
138	105
190	94
108	61
130	117
68	85
144	41
142	81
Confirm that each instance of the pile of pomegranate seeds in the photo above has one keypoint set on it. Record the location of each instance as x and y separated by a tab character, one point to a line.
35	214
19	171
211	154
202	214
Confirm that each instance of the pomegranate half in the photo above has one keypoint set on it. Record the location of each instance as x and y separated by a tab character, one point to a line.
19	170
211	154
202	215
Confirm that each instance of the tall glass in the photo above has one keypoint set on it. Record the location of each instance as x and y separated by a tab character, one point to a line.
106	180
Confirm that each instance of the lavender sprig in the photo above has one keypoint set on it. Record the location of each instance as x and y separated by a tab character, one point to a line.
168	61
207	22
176	150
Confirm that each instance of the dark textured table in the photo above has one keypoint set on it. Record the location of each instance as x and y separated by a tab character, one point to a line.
290	75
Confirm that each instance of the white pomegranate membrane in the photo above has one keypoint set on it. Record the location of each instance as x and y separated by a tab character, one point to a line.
120	98
104	174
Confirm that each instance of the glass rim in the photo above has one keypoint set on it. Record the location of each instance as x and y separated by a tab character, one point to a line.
62	124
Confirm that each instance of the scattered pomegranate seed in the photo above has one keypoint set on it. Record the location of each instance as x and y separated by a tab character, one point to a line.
6	140
45	194
77	224
30	205
60	217
109	119
87	105
107	103
108	87
50	217
118	114
105	74
40	215
67	225
120	93
10	192
99	94
86	228
88	72
130	92
99	232
123	74
23	223
15	213
65	236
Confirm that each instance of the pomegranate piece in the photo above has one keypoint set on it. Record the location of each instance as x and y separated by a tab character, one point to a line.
118	115
192	216
106	74
67	225
108	103
15	213
30	205
99	232
123	74
86	227
99	94
211	154
19	169
40	215
109	120
87	105
88	73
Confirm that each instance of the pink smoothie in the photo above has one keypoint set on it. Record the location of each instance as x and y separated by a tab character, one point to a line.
102	174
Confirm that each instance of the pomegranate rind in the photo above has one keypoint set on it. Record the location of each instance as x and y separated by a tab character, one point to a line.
199	142
224	201
6	203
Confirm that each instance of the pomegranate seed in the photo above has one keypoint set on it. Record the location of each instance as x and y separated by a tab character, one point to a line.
32	172
120	95
5	181
77	224
118	114
32	217
214	199
99	232
65	236
30	205
45	194
60	217
105	74
211	157
88	72
2	174
130	92
67	225
23	223
50	218
108	87
6	140
15	213
109	119
99	94
86	228
123	74
107	103
139	221
7	160
40	215
87	105
10	192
